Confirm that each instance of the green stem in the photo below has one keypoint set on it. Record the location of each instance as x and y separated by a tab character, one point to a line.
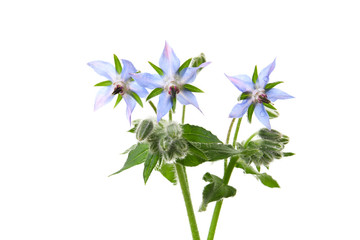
183	114
226	179
249	139
237	131
170	115
186	193
228	139
153	106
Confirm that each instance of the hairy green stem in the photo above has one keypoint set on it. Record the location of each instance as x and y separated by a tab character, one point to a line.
153	106
186	193
228	139
226	179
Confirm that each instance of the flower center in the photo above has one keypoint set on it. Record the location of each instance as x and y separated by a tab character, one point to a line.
172	85
119	88
259	96
173	90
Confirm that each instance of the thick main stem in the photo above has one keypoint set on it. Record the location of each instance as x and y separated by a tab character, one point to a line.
186	193
226	178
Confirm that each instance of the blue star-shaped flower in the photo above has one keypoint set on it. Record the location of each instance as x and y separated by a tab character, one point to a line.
256	94
171	81
121	84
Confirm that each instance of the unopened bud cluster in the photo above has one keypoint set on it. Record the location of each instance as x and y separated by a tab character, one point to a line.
164	138
264	150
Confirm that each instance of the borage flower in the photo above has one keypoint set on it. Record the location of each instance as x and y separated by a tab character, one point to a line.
256	93
119	83
172	81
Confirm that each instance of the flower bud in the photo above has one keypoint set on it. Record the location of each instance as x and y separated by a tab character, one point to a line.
284	140
273	135
173	130
197	61
144	129
180	148
165	144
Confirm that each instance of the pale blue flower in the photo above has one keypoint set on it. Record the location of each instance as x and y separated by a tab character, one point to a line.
121	84
256	94
172	82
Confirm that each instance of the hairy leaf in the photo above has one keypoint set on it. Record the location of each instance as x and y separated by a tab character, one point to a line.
150	162
215	191
169	172
136	156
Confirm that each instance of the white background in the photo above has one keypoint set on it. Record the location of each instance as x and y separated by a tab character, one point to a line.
56	153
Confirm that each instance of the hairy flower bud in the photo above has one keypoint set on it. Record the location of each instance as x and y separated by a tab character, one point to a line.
144	129
173	130
273	135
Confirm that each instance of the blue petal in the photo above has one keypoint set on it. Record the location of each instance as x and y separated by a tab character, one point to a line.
148	80
188	75
275	94
169	62
262	115
186	97
263	78
240	109
103	97
139	90
130	105
104	69
128	68
164	105
242	82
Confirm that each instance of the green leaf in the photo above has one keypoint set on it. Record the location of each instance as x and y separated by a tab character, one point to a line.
215	191
157	69
184	65
129	149
244	95
136	124
192	88
267	180
216	151
194	157
136	156
150	162
137	98
288	154
119	97
268	105
103	84
154	93
250	112
117	64
247	168
271	85
272	113
255	75
198	134
169	172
